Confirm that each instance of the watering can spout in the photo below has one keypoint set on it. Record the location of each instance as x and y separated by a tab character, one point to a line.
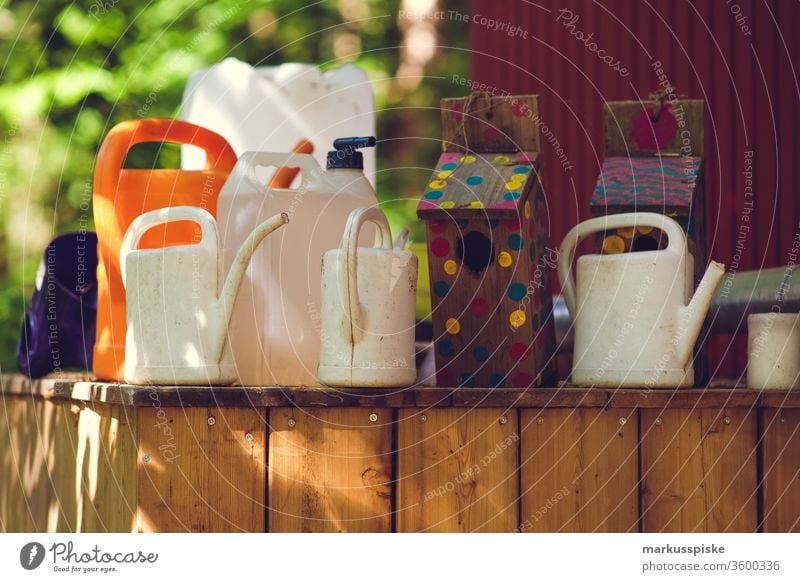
236	273
692	315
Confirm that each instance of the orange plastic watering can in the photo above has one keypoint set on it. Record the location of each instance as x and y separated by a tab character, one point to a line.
121	195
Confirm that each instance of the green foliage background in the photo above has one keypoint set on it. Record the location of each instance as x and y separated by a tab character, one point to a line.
72	71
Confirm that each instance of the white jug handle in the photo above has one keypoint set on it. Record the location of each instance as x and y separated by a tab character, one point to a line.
349	261
309	168
148	220
675	234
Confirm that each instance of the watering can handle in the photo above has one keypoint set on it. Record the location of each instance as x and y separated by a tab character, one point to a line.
125	135
148	220
675	234
349	257
249	161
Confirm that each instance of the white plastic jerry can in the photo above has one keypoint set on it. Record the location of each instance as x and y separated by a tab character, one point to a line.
368	300
636	315
177	314
274	333
272	108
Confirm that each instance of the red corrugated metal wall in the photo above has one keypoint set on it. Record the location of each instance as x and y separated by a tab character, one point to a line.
746	76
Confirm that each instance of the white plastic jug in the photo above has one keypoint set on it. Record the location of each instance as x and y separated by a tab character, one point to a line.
177	314
269	109
636	320
368	301
274	333
773	348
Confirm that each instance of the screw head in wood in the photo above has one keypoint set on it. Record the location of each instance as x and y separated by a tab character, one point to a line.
622	420
373	417
727	420
248	437
540	420
659	421
212	421
146	458
504	419
423	417
783	419
292	423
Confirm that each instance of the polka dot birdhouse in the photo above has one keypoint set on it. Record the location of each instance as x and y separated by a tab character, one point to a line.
486	224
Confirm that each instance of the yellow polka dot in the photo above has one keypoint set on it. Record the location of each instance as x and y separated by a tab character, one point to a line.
645	229
504	259
450	267
467	159
512	185
519	178
626	232
438	184
447	204
527	209
501	159
613	245
444	174
452	325
517	318
476	204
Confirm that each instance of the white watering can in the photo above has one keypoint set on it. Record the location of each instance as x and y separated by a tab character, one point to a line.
177	315
368	298
636	321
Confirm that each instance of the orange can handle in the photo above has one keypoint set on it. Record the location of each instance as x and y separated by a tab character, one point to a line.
125	135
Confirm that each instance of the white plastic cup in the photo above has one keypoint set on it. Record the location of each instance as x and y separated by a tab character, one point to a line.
773	347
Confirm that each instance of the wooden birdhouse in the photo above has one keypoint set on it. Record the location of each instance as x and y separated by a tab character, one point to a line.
487	236
653	163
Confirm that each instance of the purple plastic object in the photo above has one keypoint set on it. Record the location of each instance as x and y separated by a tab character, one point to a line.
59	328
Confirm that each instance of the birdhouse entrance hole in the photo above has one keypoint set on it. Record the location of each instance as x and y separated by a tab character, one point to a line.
475	251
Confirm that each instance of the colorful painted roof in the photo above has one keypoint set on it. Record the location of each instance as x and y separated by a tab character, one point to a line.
480	182
652	182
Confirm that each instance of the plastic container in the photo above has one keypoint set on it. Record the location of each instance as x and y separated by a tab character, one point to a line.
636	315
368	297
274	333
178	305
267	109
120	195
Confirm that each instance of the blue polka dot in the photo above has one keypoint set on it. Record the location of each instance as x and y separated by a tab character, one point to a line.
481	354
449	166
446	349
466	379
497	380
522	169
434	195
474	180
516	291
511	196
492	223
515	242
441	288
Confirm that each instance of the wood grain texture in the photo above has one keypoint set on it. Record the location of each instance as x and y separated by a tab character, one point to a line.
198	476
457	470
330	470
65	514
699	470
26	493
781	470
491	124
106	459
619	133
579	470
